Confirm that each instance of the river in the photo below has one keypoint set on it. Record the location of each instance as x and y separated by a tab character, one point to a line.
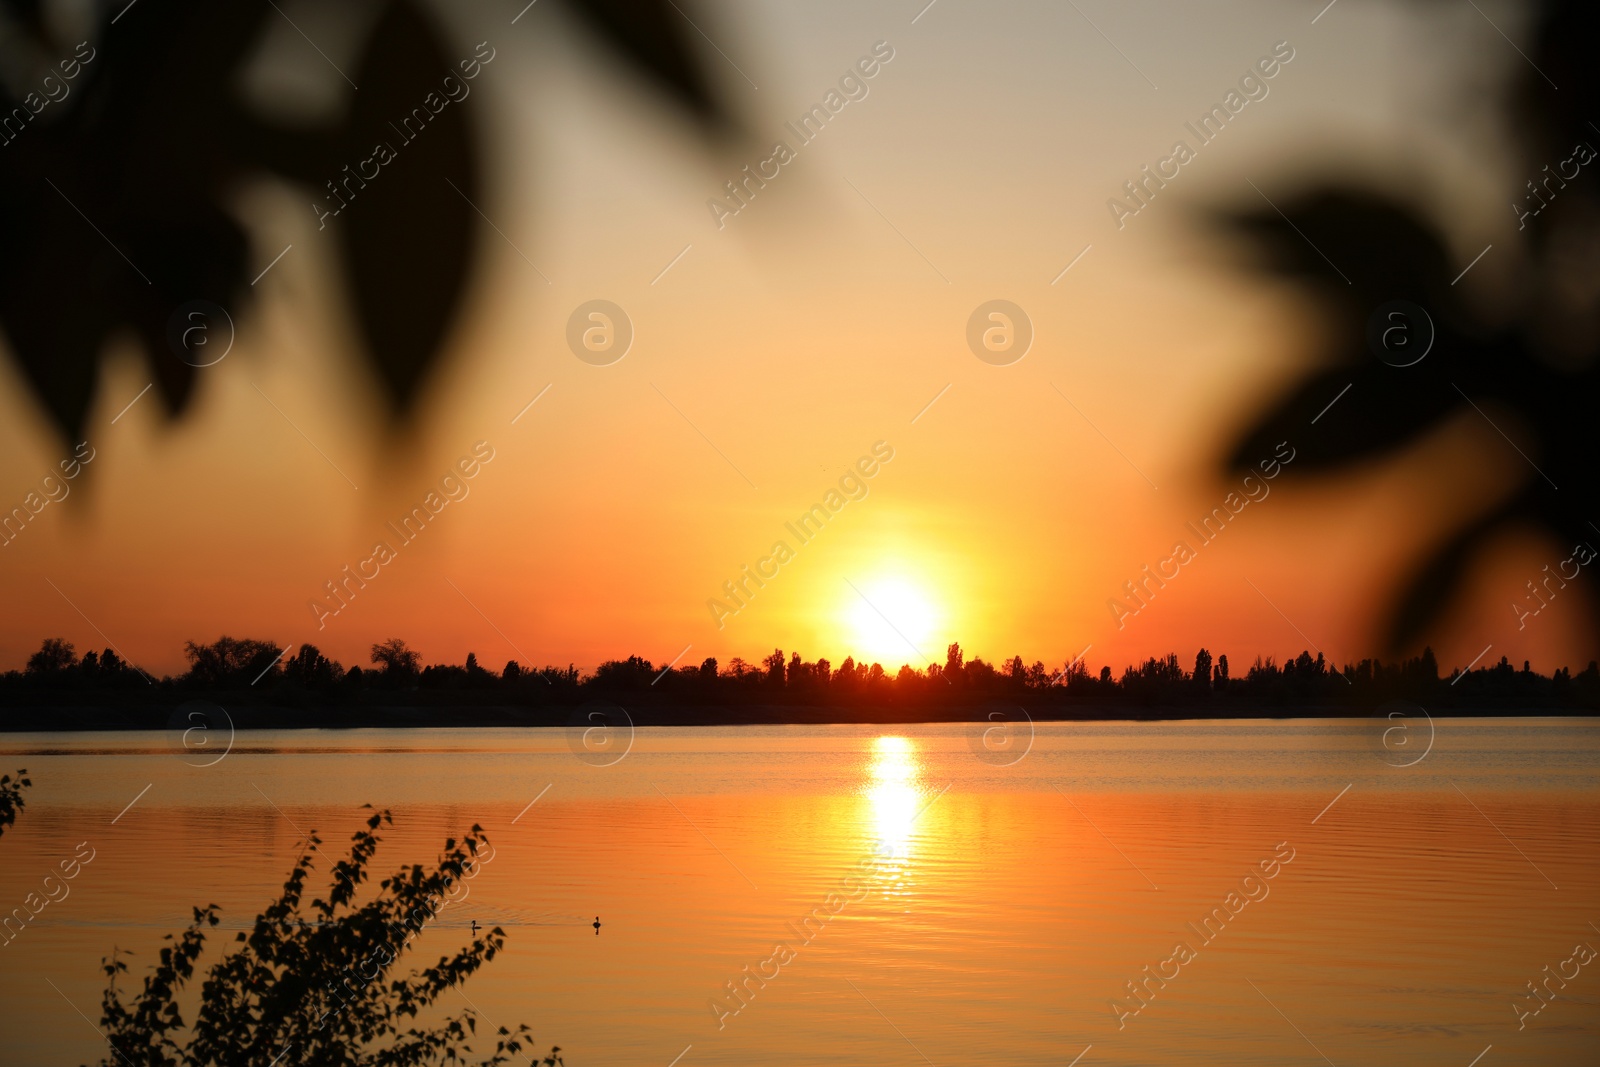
1207	892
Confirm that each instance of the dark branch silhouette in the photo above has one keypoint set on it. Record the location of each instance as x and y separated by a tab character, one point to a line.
1536	378
117	174
11	799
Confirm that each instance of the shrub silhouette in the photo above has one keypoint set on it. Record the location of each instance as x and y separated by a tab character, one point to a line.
315	979
11	799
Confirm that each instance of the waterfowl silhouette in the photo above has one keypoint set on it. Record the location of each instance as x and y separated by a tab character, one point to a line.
474	927
597	926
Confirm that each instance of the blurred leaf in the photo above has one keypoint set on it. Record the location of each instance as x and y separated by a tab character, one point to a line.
656	37
1379	253
110	200
1434	583
116	202
408	243
1534	385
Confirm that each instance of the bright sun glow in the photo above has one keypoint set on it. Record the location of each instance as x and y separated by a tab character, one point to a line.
892	622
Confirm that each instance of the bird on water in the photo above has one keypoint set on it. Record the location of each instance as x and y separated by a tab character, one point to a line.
597	926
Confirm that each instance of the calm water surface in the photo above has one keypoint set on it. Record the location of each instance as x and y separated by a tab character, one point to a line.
999	910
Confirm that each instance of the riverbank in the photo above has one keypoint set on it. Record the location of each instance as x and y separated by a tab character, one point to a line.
70	718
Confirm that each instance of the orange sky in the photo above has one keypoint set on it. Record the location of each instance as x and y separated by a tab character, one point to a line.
778	349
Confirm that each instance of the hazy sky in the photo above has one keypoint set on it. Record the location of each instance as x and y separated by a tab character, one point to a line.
772	353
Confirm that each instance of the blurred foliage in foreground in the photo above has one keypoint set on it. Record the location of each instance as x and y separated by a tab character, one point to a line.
1528	373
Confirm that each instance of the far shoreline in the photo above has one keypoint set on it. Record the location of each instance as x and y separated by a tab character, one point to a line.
999	715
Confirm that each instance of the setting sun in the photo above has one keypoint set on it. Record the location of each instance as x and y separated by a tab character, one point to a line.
892	621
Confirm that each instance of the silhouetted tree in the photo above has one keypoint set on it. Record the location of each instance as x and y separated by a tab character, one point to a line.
106	668
1038	678
615	675
980	673
308	667
774	666
396	658
55	656
229	661
954	659
476	675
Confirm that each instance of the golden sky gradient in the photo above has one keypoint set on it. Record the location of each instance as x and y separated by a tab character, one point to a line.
778	349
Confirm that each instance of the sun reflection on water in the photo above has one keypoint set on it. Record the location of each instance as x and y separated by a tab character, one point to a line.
893	794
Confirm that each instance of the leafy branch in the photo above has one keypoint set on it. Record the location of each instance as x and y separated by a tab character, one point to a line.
318	978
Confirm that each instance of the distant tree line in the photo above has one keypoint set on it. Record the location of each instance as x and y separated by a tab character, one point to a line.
265	673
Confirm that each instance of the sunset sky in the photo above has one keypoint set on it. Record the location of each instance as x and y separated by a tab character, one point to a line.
774	352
